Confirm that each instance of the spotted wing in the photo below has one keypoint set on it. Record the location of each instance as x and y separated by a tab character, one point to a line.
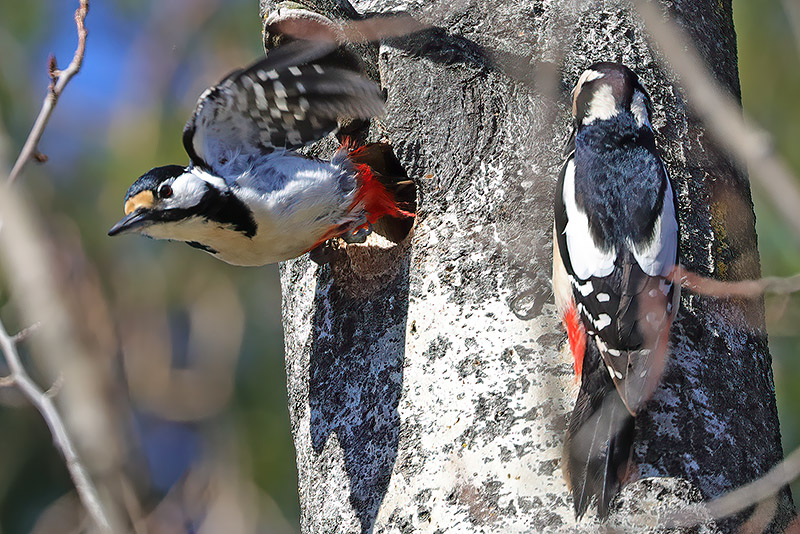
285	100
624	296
628	316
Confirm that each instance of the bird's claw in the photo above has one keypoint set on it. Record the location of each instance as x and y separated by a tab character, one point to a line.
358	236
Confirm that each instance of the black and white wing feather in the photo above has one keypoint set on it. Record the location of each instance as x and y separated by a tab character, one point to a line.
623	294
286	100
626	302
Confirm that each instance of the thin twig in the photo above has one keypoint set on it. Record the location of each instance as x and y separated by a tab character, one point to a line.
743	497
722	114
710	287
59	78
758	490
53	390
25	333
792	9
86	490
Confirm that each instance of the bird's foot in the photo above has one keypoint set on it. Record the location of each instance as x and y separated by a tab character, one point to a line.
357	236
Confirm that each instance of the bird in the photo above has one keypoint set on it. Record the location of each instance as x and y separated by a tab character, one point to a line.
615	245
247	196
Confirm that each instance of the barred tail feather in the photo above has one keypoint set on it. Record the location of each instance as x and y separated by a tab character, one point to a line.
599	439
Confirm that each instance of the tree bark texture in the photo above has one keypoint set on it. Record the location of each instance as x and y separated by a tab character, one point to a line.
420	400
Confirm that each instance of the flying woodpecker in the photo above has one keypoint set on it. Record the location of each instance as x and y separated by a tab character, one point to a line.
615	245
246	196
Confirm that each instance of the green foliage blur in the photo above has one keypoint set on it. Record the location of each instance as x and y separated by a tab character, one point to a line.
146	63
768	33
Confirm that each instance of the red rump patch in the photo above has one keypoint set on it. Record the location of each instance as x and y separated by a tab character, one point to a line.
576	335
377	200
375	176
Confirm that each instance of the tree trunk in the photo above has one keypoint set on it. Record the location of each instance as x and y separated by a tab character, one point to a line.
420	401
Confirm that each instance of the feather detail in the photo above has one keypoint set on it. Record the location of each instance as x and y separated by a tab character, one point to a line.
576	334
377	200
374	178
379	179
599	440
289	99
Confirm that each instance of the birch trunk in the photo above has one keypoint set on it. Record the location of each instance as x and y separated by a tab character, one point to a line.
420	401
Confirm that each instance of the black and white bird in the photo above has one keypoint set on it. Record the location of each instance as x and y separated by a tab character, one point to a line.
614	248
247	197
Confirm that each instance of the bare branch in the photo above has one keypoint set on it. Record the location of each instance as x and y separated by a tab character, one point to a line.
25	333
59	78
55	388
710	287
758	490
723	114
792	9
7	381
86	490
304	24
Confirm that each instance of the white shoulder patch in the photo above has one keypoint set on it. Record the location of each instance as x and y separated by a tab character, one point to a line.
639	109
586	258
657	257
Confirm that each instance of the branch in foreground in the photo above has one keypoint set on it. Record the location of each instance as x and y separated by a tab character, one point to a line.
744	497
711	287
59	78
722	113
43	402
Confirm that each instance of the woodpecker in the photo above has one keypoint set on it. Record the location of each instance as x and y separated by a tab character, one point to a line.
615	245
247	197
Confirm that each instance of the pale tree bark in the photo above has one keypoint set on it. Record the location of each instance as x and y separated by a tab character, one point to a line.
420	400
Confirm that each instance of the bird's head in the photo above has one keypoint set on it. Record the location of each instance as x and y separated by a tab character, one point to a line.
184	204
606	90
161	198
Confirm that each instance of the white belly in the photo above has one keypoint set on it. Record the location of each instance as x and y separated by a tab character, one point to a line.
295	202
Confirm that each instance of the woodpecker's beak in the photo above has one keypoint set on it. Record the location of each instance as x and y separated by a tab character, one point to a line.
132	222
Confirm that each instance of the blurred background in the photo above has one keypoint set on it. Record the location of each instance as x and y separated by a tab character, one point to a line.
204	440
204	420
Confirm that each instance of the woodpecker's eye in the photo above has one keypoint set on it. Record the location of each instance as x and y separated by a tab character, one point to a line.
165	191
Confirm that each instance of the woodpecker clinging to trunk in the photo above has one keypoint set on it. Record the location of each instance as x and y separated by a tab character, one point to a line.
615	245
246	197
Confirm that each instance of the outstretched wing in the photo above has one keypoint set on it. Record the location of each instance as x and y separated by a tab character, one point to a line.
285	100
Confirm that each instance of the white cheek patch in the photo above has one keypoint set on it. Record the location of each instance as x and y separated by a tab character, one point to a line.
187	191
603	105
639	109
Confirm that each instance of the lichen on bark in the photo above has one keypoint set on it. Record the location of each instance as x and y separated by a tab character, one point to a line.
420	402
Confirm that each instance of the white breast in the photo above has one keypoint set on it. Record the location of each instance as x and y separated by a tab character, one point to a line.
295	202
